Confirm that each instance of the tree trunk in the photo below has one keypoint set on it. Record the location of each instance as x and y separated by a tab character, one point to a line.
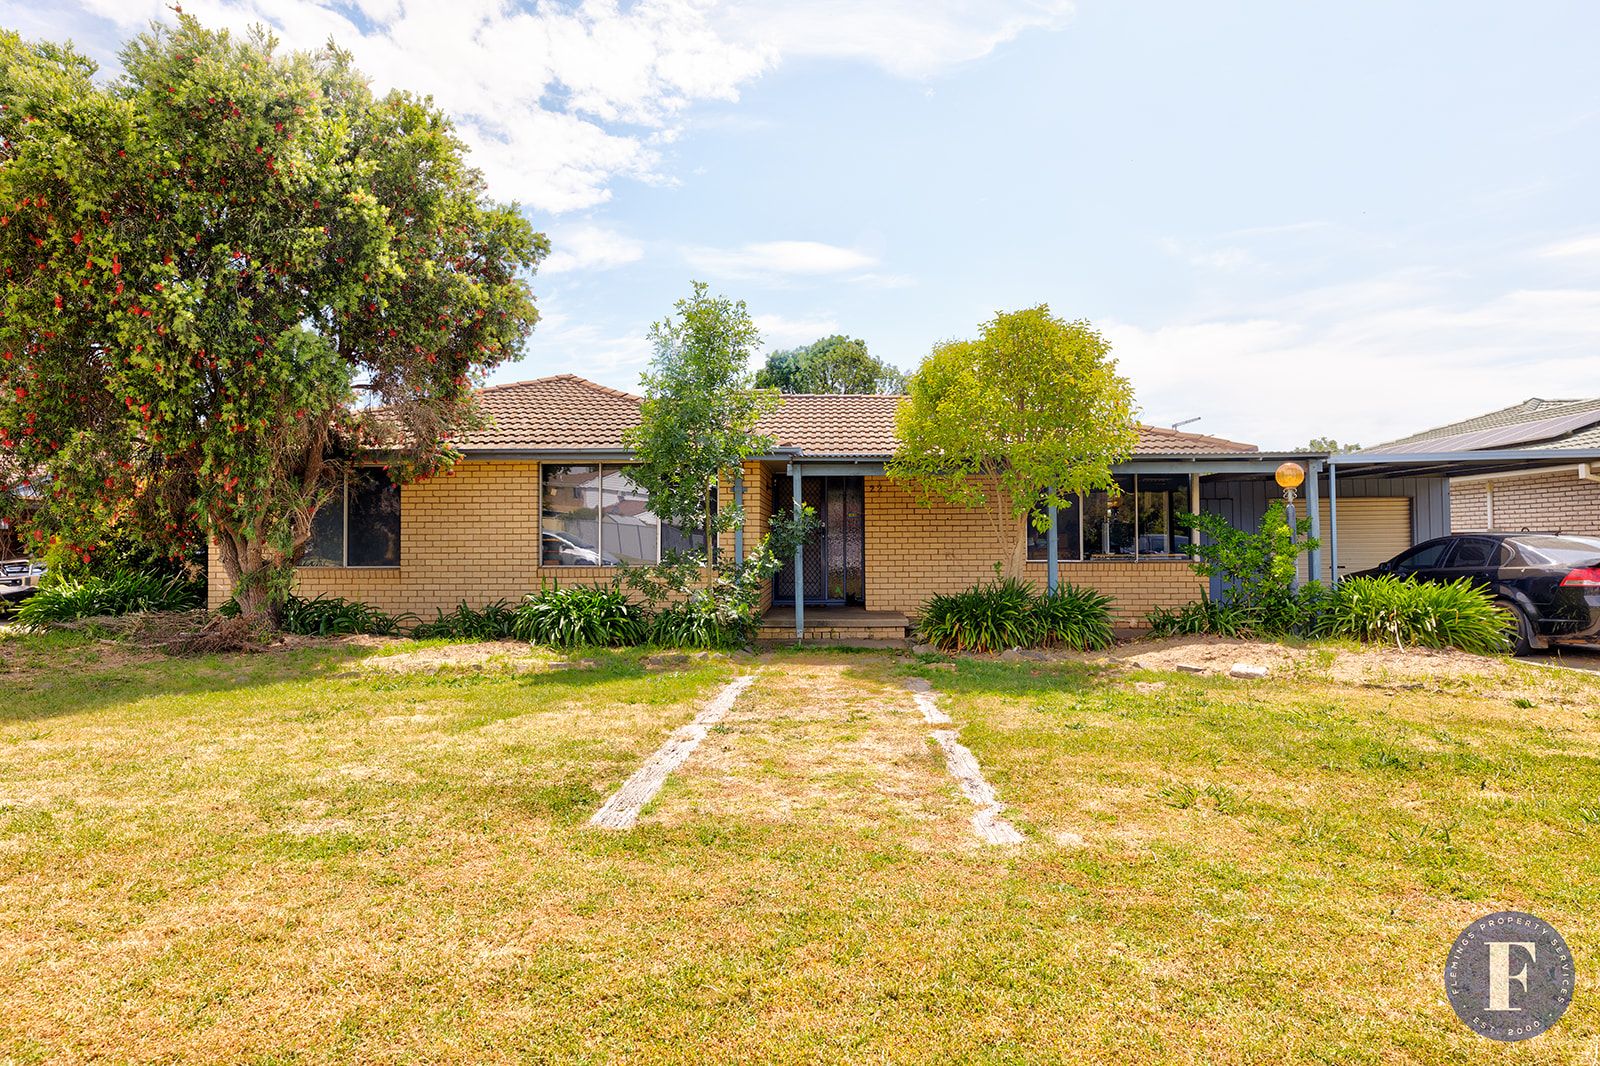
250	576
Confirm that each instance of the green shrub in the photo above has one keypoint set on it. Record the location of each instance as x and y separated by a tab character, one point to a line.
1073	617
121	594
1008	613
988	617
1257	571
1204	615
494	621
702	621
580	615
334	616
1407	611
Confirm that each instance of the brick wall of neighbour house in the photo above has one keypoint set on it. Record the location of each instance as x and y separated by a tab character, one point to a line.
914	552
1553	501
473	536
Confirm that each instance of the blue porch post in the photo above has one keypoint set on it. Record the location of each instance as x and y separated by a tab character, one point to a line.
1314	512
799	561
1333	523
1052	571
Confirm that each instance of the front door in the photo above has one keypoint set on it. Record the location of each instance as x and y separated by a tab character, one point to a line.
835	554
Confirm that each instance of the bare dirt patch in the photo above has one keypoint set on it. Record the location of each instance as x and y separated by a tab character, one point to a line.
1431	670
509	655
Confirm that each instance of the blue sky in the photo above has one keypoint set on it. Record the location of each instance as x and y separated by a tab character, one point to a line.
1356	219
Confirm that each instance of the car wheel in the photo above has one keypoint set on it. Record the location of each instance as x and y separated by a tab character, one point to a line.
1521	628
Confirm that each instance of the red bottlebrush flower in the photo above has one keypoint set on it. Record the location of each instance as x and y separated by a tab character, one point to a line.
77	238
116	267
58	302
22	393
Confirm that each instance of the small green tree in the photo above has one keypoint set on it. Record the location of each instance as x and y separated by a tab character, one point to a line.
700	410
1257	568
835	364
229	272
697	423
1032	412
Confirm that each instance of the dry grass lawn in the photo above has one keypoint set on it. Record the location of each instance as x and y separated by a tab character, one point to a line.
304	858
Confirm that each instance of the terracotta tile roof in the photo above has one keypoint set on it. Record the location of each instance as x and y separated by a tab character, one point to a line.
846	426
559	413
1158	440
569	413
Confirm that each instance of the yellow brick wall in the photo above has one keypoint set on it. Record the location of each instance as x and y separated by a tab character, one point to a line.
914	551
757	513
470	535
1554	501
473	535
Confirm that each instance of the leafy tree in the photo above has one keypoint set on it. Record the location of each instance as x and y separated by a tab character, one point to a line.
1030	413
228	272
1328	444
697	423
835	364
698	419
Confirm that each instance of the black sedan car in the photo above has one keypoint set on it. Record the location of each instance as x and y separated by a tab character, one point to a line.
1550	583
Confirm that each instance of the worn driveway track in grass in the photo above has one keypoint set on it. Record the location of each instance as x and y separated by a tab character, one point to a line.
279	859
823	739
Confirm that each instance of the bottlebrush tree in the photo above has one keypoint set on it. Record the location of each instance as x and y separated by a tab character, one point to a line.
227	273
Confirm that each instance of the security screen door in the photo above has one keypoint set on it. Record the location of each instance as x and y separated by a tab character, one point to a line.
835	554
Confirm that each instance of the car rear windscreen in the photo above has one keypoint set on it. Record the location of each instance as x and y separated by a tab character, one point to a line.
1560	551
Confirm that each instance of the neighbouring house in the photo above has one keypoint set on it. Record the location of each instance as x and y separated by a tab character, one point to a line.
1552	482
543	495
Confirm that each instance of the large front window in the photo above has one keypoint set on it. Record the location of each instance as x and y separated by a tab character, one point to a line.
1142	519
358	525
594	515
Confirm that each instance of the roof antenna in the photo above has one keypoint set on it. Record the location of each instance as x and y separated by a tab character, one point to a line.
1186	421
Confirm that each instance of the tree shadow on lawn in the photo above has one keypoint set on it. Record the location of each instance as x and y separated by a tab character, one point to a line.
989	677
80	674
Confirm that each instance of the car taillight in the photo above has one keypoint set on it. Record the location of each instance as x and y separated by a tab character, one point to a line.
1583	577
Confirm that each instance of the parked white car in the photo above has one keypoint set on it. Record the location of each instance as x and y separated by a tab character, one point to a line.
19	577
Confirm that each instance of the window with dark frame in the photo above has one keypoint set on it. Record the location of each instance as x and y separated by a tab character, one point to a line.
1143	520
593	514
358	526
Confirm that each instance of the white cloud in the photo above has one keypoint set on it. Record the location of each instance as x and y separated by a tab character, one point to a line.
781	332
589	247
782	258
563	344
558	101
1220	258
910	38
1577	248
1366	362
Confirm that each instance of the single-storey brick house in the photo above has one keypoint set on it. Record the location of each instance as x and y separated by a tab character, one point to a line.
1556	488
543	496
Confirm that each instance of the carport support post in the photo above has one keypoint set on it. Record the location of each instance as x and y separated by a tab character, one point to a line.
1333	523
1052	570
1315	514
799	561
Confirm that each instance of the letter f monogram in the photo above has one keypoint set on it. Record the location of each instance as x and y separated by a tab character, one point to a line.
1500	975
